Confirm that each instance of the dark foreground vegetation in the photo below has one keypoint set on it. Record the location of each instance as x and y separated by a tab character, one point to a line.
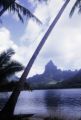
61	85
30	117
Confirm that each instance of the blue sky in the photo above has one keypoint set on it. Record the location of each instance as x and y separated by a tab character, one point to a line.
63	45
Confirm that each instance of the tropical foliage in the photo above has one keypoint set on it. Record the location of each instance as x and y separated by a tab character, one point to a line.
21	11
77	4
8	67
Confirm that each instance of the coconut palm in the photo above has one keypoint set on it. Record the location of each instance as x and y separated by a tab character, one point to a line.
9	107
8	67
12	5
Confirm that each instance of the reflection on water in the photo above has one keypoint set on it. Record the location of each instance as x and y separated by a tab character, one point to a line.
63	103
52	101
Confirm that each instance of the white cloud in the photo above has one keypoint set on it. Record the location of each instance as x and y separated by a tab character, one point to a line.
23	52
31	32
5	39
63	45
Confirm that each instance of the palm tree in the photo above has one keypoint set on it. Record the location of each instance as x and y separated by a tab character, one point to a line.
12	5
8	67
9	107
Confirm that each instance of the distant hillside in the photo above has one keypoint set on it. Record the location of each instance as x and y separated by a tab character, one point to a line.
52	78
74	82
52	74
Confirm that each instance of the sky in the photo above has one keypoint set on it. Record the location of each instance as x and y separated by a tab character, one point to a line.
63	46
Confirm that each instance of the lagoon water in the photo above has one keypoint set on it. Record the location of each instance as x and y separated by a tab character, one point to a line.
65	103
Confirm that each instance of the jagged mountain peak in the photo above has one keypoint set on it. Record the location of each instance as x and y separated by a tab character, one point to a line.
50	66
52	73
50	63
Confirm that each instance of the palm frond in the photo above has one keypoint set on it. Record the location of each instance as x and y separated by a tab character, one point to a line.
77	4
11	5
5	57
6	3
10	69
14	66
22	11
79	11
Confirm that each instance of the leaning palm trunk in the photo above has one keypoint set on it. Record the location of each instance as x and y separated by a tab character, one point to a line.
9	107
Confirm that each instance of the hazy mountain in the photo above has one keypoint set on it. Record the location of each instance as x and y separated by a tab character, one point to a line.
52	77
52	74
75	81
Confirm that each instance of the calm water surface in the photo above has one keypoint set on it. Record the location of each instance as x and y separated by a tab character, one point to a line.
64	103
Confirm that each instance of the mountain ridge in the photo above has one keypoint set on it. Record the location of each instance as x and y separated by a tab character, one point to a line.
52	73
